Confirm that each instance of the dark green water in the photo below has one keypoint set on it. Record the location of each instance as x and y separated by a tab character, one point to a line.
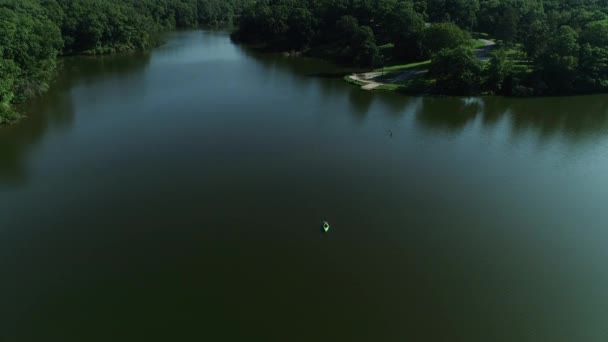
179	195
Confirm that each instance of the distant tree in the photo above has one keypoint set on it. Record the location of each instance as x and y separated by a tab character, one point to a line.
456	71
8	74
579	17
461	12
444	36
595	33
507	23
29	44
407	30
365	51
302	25
357	43
346	27
185	12
499	72
559	63
437	11
535	39
592	73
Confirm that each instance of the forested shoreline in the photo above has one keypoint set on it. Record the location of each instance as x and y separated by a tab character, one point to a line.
33	33
545	47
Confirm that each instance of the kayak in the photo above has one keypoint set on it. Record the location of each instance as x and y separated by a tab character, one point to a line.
325	226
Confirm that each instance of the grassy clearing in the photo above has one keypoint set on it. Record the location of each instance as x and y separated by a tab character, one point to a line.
386	50
389	86
419	84
478	44
404	66
520	63
386	47
355	82
478	35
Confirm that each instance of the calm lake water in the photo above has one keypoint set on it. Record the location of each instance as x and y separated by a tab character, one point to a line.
179	195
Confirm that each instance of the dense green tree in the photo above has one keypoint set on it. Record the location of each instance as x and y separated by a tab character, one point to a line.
444	36
507	23
561	44
34	32
487	17
8	74
185	13
357	43
579	17
535	39
407	30
595	33
461	12
302	25
456	71
593	68
29	44
499	72
559	63
364	47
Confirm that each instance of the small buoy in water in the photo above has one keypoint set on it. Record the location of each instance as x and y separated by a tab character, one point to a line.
325	226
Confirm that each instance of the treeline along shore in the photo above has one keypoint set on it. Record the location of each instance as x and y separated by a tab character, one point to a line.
543	47
33	33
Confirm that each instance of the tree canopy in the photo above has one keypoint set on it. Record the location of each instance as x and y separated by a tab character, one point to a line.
548	46
34	32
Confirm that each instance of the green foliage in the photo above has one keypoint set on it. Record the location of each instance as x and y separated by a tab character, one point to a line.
364	48
444	36
499	73
107	26
535	39
595	33
558	45
218	12
407	28
357	44
8	77
559	63
593	68
507	23
461	12
34	32
456	71
29	44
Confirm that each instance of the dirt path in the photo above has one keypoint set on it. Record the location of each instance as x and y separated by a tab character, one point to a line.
365	78
483	53
375	79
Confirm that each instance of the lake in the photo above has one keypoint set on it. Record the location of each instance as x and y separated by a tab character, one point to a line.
179	195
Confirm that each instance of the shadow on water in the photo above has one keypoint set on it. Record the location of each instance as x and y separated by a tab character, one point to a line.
328	77
396	104
302	67
55	110
87	69
448	114
574	118
360	103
